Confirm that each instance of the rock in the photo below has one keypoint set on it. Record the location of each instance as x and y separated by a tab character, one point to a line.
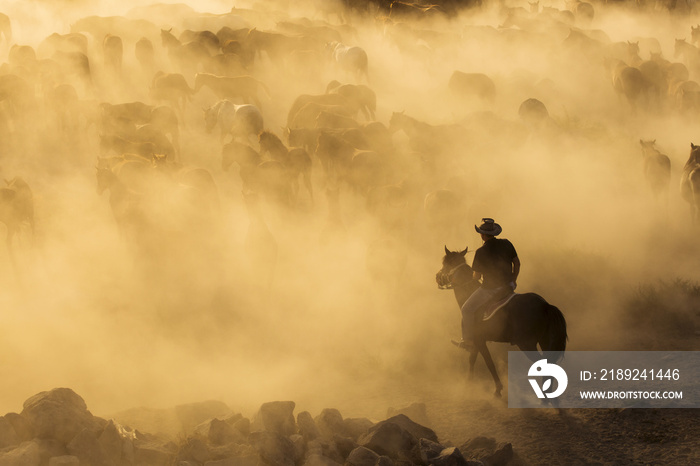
356	427
273	448
22	426
163	421
219	432
236	461
319	460
416	412
65	460
86	447
193	414
330	423
386	461
276	416
362	456
307	426
242	426
344	445
153	454
8	436
112	443
501	457
429	450
299	446
60	414
449	457
389	439
488	451
26	454
323	447
194	449
417	430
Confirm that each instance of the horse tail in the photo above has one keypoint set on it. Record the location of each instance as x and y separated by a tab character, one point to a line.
556	335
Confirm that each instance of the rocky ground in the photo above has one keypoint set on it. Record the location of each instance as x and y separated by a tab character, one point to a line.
56	428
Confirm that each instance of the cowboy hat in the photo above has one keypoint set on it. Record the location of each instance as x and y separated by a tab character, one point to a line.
489	227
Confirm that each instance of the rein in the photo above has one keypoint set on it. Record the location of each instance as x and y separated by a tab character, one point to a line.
448	276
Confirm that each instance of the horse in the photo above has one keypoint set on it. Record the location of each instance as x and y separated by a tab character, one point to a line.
113	51
359	96
226	87
295	160
172	88
467	85
351	59
240	121
188	56
690	183
525	321
16	209
657	169
6	28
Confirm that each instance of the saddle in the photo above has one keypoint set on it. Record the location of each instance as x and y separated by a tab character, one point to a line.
500	300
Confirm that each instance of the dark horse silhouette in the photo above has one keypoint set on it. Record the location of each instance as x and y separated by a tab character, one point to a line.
526	320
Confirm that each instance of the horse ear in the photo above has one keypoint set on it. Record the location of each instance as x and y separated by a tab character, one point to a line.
692	146
447	251
464	253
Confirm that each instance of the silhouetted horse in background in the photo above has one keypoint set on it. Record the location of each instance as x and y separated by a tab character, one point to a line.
526	320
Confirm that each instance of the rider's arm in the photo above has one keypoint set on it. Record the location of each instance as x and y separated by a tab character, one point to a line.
516	268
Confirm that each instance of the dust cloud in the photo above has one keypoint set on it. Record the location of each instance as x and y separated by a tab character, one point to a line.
337	305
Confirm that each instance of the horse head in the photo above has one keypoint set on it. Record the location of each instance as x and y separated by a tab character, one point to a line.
694	155
452	262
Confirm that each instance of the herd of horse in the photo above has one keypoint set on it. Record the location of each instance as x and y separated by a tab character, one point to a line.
333	141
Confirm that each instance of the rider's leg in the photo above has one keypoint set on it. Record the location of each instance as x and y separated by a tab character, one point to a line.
480	297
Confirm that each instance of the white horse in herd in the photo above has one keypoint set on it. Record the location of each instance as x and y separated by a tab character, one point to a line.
240	121
352	59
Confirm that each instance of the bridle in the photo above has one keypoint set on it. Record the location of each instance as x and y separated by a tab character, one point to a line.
444	279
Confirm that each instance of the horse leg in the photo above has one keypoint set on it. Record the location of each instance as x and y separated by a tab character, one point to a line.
484	350
307	183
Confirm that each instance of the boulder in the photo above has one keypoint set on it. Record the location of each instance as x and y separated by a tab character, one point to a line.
65	460
344	445
235	461
319	460
429	450
330	423
417	430
276	416
153	454
386	461
361	456
323	447
307	426
8	436
243	426
273	448
449	457
86	447
356	427
25	454
388	439
488	451
59	414
219	432
416	412
193	414
21	425
111	443
194	449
